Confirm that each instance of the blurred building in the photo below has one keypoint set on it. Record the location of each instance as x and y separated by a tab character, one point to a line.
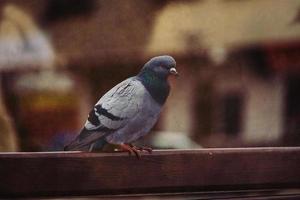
238	62
239	97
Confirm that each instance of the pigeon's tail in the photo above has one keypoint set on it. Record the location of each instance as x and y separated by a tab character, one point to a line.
74	147
86	141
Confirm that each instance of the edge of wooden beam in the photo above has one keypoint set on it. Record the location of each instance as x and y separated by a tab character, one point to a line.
78	173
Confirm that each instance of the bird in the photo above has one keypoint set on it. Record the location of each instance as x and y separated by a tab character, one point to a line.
129	110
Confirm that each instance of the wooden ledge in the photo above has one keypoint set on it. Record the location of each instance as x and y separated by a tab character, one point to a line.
76	173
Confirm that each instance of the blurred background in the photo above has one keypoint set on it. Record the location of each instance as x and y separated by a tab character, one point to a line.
239	65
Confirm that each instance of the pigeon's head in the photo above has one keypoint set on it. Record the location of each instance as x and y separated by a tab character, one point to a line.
160	66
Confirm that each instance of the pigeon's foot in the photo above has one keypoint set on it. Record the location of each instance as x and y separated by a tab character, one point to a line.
130	149
147	149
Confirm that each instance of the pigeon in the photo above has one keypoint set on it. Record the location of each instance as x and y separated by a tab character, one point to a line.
129	110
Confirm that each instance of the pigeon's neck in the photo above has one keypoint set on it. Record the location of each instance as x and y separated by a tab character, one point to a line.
158	87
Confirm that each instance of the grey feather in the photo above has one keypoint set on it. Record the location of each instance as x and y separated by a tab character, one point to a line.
89	137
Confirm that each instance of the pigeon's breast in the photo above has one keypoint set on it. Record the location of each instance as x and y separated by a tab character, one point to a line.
140	124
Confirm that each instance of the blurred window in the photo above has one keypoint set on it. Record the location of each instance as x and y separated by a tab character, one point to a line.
232	113
292	125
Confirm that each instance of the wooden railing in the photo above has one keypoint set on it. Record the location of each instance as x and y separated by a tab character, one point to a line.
203	171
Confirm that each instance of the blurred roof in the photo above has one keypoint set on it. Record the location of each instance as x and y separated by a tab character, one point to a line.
217	24
22	43
126	30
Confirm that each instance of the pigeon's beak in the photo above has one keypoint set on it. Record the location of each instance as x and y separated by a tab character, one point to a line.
174	71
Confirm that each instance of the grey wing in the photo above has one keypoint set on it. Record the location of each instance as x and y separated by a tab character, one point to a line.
113	111
121	103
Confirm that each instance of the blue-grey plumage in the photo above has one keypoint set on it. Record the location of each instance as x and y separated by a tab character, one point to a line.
129	110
